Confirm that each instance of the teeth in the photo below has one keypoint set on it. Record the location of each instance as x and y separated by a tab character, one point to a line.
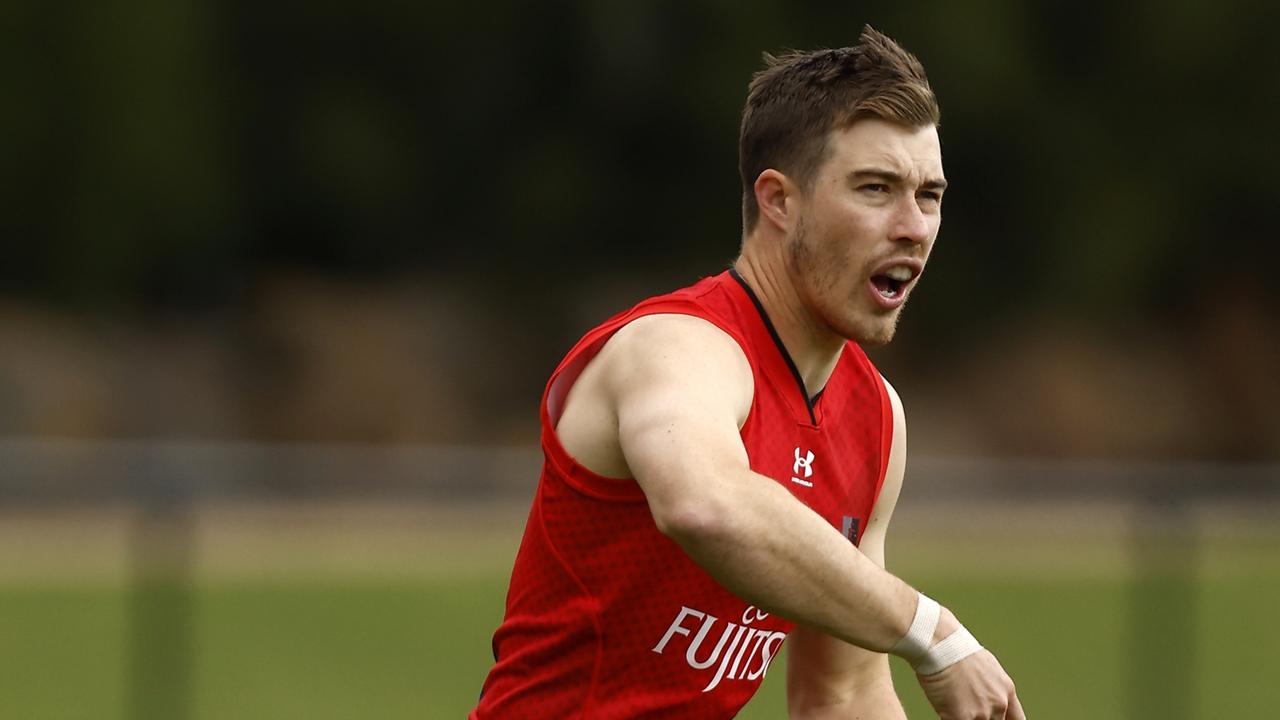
901	273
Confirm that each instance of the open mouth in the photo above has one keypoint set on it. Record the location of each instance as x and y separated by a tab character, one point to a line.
891	283
887	286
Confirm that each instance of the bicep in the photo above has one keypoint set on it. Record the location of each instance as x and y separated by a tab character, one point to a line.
681	388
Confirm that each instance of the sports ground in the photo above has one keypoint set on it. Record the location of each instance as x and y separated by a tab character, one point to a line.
371	611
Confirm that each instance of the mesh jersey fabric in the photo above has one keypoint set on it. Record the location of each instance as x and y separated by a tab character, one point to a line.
608	618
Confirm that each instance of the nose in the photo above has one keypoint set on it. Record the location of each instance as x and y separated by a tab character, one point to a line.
913	224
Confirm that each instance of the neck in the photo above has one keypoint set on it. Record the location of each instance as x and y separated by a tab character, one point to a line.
813	347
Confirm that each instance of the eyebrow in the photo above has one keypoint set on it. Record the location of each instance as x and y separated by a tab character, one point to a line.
891	177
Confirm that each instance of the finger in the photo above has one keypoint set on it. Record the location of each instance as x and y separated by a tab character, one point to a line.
1015	709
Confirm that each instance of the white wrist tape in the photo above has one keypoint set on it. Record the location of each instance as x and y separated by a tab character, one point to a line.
915	647
949	651
915	644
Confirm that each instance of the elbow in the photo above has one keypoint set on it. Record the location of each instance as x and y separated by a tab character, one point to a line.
694	521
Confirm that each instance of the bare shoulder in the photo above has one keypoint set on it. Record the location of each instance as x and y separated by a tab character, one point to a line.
898	448
894	400
679	352
666	333
652	365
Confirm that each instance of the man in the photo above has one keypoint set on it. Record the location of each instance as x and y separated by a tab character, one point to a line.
722	461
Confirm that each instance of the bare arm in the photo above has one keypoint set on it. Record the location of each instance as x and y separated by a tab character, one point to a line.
827	677
677	390
681	387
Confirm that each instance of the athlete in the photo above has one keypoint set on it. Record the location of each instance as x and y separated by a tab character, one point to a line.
722	461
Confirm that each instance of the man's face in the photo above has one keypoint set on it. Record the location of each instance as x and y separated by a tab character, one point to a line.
866	227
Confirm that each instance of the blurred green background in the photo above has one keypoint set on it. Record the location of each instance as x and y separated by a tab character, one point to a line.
364	610
283	283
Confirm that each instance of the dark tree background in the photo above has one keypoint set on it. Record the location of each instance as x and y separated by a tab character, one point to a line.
384	221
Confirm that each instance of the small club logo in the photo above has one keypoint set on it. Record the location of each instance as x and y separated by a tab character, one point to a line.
804	464
849	528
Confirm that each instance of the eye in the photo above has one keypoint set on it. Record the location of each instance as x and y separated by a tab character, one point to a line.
931	196
875	188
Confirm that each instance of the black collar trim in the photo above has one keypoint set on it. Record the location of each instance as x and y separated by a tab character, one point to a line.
773	333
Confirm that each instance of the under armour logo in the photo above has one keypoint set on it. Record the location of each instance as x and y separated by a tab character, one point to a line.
803	463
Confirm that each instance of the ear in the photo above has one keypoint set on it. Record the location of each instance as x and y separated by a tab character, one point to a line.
775	196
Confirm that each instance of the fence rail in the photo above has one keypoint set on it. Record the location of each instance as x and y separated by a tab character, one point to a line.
41	471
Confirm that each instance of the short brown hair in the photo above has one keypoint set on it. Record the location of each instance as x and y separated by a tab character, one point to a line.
800	97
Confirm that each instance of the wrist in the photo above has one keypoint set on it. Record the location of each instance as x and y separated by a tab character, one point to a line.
947	624
920	635
936	640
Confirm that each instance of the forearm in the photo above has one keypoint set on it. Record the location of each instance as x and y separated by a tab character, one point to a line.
772	551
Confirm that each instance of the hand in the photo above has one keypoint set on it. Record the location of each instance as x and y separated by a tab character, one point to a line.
975	688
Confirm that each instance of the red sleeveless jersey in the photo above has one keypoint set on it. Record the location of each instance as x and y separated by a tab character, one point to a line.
608	618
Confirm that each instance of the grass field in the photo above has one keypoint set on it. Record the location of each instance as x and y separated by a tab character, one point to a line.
354	615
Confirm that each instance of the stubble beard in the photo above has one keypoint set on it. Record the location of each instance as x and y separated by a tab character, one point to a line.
817	277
